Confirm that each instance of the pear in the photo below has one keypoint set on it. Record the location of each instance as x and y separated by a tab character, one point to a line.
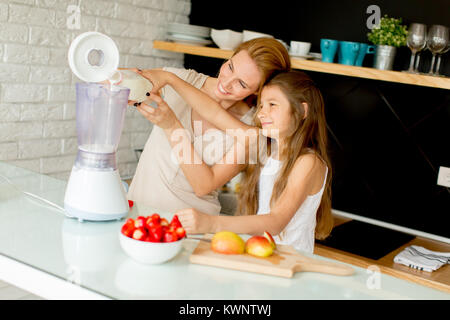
227	242
268	236
258	246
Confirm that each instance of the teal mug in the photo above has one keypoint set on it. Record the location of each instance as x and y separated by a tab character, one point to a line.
363	50
348	51
328	49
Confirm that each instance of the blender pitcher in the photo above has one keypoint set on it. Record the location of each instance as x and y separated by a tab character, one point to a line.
100	115
95	190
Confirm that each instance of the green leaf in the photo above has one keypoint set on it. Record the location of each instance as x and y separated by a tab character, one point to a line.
389	31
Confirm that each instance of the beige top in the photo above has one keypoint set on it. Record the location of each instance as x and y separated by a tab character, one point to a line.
159	182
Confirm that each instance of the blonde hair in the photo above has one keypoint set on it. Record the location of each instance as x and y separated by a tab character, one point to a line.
270	56
309	135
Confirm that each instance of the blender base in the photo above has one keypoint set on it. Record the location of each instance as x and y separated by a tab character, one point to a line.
95	195
90	216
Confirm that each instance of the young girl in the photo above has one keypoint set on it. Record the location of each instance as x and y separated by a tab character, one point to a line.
287	194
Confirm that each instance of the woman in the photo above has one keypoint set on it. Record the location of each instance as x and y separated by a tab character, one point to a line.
165	184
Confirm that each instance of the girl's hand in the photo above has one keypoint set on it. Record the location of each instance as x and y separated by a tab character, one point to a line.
194	221
162	116
158	77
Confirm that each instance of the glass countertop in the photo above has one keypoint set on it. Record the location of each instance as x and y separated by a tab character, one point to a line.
88	254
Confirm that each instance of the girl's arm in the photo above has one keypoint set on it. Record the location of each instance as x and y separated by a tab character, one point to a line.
299	185
208	109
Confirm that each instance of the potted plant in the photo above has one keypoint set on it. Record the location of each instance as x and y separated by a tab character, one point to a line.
388	35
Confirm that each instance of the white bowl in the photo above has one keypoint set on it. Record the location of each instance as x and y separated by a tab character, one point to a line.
226	39
150	252
300	48
249	35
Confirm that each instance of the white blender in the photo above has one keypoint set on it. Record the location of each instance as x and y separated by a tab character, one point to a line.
95	190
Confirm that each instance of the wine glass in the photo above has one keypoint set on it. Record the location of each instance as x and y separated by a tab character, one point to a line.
437	40
416	41
438	63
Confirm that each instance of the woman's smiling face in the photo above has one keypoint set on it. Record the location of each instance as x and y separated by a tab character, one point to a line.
275	113
238	78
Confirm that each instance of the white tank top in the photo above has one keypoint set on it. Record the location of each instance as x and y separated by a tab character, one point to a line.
299	232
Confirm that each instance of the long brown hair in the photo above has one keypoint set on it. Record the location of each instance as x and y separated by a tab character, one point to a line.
309	136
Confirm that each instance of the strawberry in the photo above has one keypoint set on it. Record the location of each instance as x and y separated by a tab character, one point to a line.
170	236
156	218
128	229
139	222
130	203
139	234
149	238
175	222
156	233
181	233
150	223
164	222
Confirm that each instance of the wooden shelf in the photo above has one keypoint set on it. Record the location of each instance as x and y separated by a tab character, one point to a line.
190	49
318	66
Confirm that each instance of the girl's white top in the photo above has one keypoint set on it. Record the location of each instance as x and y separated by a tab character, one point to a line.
299	232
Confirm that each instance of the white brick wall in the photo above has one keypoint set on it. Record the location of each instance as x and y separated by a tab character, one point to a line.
37	95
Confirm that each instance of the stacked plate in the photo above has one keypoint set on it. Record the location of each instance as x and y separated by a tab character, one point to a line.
189	34
301	57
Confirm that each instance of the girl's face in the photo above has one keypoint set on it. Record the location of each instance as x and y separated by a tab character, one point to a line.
275	113
238	78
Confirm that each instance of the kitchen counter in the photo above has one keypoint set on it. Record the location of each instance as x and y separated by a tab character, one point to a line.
439	279
56	257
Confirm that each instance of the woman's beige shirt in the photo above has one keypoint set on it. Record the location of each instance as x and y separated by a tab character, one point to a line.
159	182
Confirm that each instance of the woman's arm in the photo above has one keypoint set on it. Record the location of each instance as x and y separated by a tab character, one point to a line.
208	109
299	185
201	177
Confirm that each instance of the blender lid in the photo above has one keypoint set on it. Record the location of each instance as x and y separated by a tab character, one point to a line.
93	57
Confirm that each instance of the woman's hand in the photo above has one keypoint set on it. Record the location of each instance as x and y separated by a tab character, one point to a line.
158	77
162	116
194	221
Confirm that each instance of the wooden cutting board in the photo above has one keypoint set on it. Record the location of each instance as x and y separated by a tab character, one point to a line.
284	262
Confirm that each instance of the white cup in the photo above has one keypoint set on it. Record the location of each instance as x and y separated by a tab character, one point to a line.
300	48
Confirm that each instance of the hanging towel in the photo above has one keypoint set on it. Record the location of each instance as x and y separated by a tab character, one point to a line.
422	259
